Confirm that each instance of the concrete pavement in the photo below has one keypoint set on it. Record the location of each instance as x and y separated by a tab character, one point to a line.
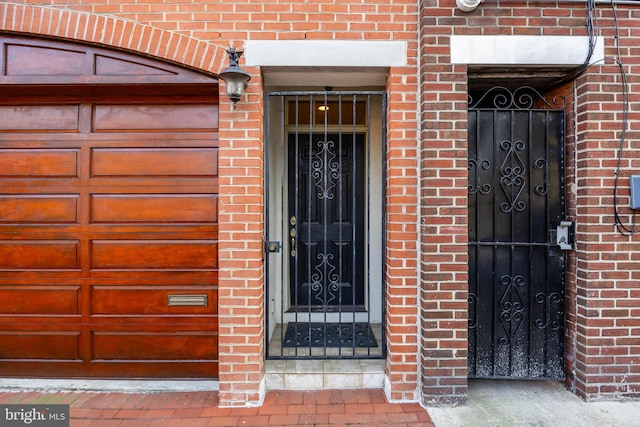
507	403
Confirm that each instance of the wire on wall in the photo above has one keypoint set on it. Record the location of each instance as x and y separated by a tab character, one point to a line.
592	31
620	225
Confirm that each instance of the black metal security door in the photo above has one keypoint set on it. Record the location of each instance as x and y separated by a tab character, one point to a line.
326	221
325	234
516	268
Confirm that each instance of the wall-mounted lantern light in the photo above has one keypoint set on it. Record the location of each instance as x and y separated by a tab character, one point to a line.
235	78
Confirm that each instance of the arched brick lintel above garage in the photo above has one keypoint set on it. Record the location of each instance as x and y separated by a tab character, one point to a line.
112	32
41	67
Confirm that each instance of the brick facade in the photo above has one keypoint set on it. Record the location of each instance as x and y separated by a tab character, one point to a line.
601	345
426	160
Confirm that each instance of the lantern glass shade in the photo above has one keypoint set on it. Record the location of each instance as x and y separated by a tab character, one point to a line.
235	78
235	81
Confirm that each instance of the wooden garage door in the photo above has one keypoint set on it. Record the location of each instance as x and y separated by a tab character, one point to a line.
108	227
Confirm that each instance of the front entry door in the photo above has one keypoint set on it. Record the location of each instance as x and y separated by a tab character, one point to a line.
516	269
326	216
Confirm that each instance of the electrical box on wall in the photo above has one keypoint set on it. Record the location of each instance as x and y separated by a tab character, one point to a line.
634	188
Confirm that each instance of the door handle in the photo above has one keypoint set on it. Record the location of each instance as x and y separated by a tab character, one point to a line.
292	234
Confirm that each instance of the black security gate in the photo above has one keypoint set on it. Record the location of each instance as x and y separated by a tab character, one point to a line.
325	193
516	213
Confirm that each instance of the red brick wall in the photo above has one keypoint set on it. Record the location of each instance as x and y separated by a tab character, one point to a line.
443	263
401	258
195	33
567	91
603	274
608	263
241	257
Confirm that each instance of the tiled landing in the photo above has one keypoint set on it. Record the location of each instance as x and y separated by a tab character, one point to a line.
323	374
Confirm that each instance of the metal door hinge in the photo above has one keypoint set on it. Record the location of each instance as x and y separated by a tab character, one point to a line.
564	235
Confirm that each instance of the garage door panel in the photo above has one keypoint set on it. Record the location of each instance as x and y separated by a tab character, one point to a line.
39	255
154	208
135	118
40	118
108	215
168	369
123	274
154	300
147	345
156	185
107	65
39	208
26	60
167	322
157	162
38	299
120	231
47	345
39	163
74	140
154	255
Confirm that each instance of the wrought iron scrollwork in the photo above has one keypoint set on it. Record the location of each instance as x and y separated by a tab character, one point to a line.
326	296
512	307
541	190
325	175
512	178
473	303
522	98
474	169
553	299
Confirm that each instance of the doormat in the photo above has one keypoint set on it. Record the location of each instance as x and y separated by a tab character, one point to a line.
329	335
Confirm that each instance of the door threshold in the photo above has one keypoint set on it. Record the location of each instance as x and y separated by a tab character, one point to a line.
324	374
125	386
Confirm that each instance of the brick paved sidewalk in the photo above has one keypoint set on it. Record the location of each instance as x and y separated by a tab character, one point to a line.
200	409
